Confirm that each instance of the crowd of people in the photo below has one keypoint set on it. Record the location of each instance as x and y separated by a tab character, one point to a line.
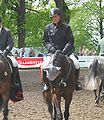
84	51
23	53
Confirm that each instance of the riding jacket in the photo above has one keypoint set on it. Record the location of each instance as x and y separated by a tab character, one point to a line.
6	41
58	37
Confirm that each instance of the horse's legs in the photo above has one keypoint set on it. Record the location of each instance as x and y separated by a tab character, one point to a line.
95	92
67	105
50	108
98	97
102	90
5	106
55	112
57	108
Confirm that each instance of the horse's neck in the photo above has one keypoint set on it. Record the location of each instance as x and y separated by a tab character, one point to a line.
64	68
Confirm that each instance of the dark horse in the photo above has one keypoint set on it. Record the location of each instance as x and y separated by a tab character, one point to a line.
95	78
5	83
57	90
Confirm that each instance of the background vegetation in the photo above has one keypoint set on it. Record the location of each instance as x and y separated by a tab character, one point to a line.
27	19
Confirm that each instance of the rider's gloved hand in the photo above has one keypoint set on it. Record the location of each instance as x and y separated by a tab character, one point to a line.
59	51
52	50
5	52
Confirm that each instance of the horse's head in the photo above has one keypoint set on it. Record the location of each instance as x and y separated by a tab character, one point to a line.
61	61
58	58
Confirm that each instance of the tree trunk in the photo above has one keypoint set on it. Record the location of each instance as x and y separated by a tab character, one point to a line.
20	23
101	20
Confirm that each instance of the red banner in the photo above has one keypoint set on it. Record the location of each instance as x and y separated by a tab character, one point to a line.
29	62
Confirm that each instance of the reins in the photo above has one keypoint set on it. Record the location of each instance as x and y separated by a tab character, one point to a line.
55	84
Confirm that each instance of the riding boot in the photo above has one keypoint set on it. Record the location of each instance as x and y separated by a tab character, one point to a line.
16	90
44	85
78	84
14	77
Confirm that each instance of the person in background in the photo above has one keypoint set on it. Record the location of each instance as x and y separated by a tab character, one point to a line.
22	53
58	36
6	45
31	53
80	52
93	52
16	54
85	51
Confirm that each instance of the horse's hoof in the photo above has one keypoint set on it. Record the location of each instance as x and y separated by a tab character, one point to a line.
96	105
64	84
5	118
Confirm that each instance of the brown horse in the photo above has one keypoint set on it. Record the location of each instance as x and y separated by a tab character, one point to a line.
58	90
5	83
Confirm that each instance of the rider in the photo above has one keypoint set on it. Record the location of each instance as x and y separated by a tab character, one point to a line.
58	36
6	45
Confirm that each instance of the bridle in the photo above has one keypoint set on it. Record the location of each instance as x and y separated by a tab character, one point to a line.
57	82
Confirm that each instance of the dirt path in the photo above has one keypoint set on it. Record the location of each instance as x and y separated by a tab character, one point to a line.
33	106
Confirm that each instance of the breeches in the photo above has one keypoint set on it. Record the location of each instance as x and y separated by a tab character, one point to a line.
75	61
14	61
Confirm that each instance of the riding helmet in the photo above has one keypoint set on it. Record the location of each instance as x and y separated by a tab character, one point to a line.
54	12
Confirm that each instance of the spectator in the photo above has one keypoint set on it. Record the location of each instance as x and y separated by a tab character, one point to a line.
93	52
22	54
16	54
84	50
31	53
80	51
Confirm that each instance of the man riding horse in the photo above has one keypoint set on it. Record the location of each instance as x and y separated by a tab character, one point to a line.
58	36
6	45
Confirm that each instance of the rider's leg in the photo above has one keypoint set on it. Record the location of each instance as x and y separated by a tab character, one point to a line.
78	84
77	66
16	76
14	65
45	86
16	82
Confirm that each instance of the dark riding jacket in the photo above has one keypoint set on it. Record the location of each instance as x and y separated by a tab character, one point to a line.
58	37
6	41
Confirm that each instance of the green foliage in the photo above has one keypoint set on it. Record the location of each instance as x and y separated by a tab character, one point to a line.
35	24
78	25
84	21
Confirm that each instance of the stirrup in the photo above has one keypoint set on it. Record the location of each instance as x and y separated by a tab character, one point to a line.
45	88
64	84
78	86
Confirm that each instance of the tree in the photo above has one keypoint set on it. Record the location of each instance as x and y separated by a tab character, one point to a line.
16	8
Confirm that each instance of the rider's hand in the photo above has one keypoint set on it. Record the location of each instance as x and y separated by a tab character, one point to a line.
5	52
59	51
52	50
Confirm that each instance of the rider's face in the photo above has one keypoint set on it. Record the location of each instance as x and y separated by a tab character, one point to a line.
55	19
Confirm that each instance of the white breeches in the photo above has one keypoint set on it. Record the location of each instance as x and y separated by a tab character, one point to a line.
76	62
14	61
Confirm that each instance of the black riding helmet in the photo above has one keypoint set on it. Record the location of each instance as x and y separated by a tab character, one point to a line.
54	12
